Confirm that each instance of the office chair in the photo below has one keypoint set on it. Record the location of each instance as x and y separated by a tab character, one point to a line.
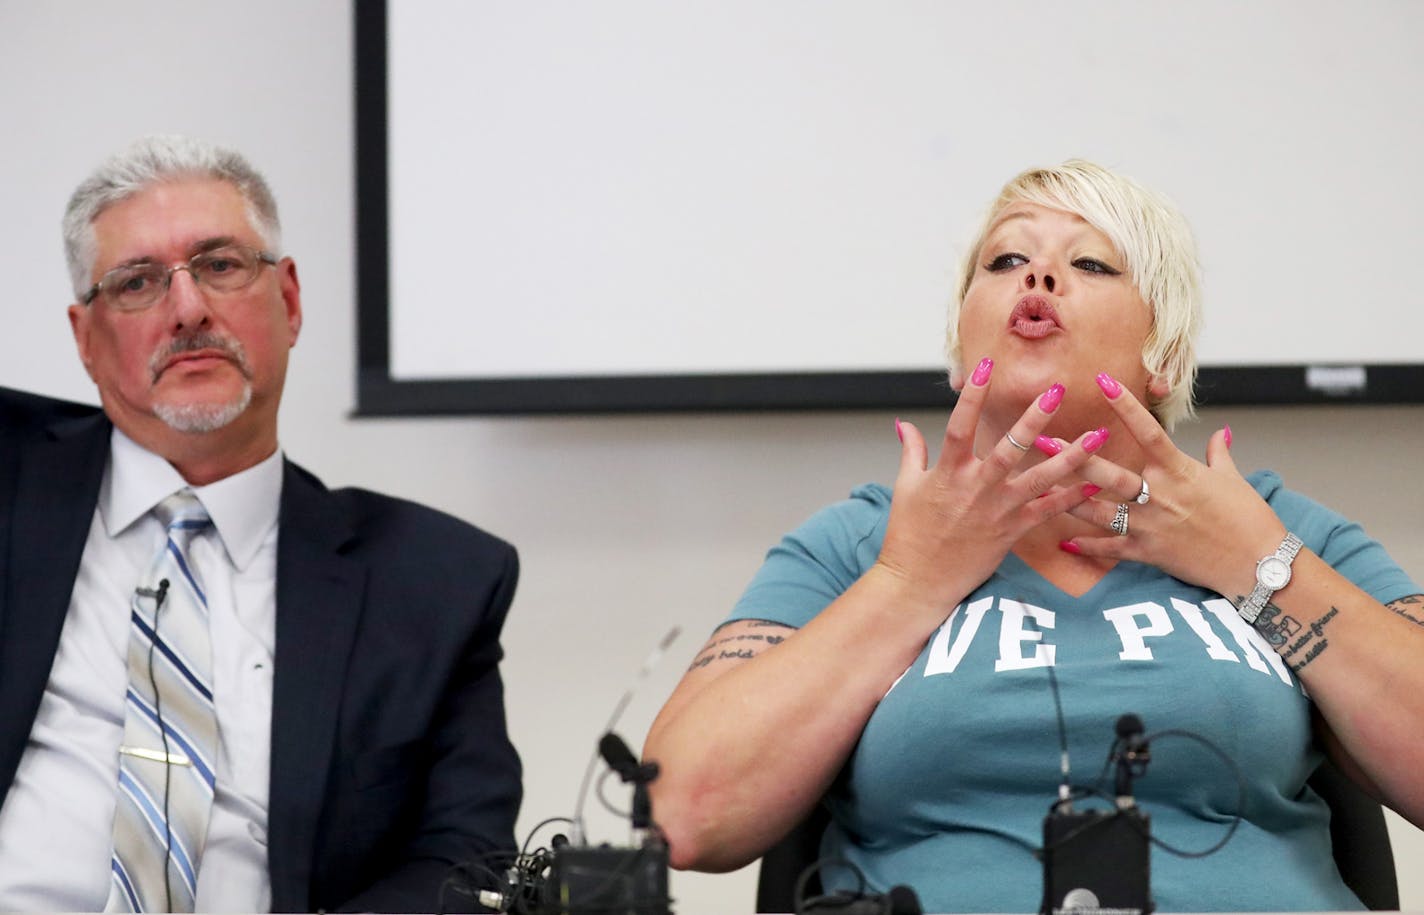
1357	833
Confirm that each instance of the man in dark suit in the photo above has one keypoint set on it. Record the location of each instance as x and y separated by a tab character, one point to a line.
354	637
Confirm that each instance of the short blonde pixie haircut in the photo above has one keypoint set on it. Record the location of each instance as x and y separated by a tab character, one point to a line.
1155	242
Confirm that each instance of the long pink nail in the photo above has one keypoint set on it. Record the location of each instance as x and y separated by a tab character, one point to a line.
1094	440
1069	546
1051	399
1047	445
899	433
1089	490
1109	385
981	372
1227	430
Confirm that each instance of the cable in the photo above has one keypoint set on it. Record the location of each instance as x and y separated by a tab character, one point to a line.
800	903
524	850
158	596
1240	793
460	879
602	799
1064	791
1096	791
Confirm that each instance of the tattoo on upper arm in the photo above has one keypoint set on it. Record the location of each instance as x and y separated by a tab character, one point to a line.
1297	643
1411	608
726	649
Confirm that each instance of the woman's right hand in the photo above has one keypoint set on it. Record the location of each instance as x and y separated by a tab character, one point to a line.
729	787
952	523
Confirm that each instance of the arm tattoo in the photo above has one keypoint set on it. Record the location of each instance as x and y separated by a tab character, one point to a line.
714	650
1297	643
1411	608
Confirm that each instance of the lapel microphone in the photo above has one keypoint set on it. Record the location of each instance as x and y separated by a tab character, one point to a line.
158	594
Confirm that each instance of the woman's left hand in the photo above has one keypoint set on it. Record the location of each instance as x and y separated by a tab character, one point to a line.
1202	523
1205	524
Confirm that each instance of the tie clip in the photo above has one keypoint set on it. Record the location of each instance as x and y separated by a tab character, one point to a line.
172	759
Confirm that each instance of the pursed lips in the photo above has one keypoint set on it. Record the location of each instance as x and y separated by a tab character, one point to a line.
1034	317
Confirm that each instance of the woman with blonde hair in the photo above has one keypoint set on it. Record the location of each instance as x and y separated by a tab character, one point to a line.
895	649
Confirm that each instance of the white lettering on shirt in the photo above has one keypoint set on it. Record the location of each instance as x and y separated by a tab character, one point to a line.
944	656
1134	637
1012	635
1257	650
1215	648
1135	625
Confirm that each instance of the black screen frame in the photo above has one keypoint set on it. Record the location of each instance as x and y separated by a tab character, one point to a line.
378	393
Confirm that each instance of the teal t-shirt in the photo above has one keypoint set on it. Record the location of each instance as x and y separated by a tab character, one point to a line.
955	770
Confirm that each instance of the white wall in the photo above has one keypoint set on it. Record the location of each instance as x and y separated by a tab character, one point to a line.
626	525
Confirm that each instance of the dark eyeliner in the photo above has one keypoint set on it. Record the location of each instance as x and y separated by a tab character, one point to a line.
1002	262
1095	266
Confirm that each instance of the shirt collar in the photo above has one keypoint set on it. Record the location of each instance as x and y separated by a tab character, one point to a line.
244	506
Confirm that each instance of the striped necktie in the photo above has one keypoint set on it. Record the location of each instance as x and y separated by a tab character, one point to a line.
168	756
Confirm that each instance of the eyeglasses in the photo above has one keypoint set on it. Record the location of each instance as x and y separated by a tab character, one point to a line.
222	270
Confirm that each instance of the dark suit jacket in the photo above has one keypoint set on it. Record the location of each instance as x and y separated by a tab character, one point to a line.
390	758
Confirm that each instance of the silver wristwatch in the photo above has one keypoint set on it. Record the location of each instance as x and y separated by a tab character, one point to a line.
1273	573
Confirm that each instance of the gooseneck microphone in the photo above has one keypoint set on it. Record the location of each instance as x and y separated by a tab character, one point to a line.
578	836
574	877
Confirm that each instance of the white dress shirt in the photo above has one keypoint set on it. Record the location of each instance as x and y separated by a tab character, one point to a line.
56	825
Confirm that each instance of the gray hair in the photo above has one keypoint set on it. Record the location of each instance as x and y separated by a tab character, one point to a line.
1154	239
150	161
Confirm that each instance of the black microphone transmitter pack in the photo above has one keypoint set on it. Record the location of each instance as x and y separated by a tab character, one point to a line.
604	880
1096	862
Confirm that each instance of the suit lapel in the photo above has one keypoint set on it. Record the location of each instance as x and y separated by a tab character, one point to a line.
56	488
319	600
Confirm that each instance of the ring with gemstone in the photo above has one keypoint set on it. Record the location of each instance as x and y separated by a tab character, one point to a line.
1119	521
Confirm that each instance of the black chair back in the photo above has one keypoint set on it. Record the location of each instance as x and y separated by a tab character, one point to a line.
1357	830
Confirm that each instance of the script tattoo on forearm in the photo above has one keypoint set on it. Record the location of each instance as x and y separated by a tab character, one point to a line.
1297	643
715	650
1411	608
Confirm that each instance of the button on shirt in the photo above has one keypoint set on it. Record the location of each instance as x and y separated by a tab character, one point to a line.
56	825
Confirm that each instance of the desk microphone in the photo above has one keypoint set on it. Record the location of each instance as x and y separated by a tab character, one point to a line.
578	836
576	878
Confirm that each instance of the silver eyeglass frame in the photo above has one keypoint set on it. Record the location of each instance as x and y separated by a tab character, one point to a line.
262	257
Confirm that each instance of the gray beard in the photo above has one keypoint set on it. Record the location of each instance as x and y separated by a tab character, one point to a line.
195	418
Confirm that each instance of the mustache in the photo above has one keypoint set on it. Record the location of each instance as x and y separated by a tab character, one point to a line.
200	340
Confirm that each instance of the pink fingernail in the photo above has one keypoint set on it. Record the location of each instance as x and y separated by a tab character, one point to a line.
1109	385
981	373
899	433
1089	490
1051	399
1094	440
1227	430
1069	546
1047	445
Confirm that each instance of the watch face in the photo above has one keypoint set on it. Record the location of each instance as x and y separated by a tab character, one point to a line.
1273	572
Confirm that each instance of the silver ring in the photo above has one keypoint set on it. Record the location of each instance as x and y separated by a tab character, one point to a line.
1119	521
1145	495
1015	442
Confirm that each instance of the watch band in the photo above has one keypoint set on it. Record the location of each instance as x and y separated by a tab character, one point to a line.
1273	572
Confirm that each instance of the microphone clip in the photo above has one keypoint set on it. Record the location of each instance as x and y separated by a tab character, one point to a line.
1132	754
